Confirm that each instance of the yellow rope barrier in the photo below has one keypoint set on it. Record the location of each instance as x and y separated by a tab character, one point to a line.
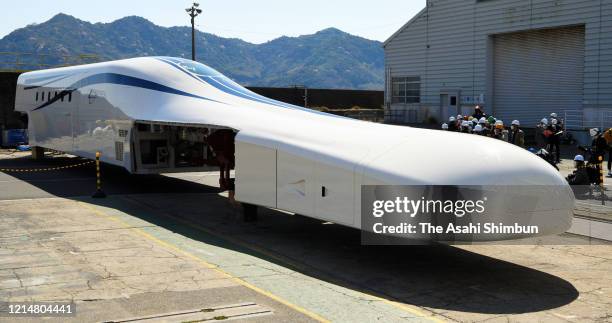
26	170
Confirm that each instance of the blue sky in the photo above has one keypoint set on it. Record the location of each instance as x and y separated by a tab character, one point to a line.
254	21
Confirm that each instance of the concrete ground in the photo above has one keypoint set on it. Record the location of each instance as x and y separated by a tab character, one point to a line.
173	244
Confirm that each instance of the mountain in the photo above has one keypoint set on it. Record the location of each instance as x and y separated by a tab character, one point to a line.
328	59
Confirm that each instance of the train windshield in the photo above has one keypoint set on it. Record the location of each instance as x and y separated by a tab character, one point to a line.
194	67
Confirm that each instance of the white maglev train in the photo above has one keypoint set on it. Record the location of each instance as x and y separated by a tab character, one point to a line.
152	115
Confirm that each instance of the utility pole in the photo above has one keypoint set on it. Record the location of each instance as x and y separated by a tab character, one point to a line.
193	12
305	96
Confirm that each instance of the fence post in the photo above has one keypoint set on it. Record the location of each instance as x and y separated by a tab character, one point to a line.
99	193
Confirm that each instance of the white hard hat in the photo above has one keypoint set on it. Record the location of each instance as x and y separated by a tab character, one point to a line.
459	116
465	123
451	119
594	132
516	123
499	122
444	126
478	128
482	120
554	121
553	115
579	158
544	121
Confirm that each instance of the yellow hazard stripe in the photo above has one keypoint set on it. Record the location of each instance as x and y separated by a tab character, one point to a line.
403	307
206	264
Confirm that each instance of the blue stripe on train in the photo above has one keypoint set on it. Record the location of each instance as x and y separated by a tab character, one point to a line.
120	79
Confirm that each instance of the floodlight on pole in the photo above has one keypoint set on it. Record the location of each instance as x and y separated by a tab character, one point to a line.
193	12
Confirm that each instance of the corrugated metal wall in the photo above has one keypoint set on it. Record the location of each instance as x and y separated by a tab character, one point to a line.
537	72
450	46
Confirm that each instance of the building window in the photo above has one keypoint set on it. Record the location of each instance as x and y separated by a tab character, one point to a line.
36	96
49	96
406	89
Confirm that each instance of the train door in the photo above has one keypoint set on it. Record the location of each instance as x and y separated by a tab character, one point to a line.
256	175
296	189
449	105
334	196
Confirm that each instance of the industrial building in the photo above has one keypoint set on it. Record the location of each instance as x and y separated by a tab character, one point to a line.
519	59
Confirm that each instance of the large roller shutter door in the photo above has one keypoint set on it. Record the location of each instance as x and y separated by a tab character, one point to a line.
538	72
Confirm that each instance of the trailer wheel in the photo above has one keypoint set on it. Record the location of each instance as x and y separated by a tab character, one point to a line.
249	212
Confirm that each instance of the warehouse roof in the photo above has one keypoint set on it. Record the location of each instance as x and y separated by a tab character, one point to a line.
405	26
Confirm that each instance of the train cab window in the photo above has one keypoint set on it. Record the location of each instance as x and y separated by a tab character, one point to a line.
36	96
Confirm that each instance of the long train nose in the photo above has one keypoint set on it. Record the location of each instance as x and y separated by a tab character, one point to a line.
523	187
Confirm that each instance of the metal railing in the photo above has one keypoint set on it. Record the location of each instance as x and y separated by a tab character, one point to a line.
19	62
372	115
404	116
395	116
573	119
576	120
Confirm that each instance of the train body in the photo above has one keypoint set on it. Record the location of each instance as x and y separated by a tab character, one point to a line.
153	115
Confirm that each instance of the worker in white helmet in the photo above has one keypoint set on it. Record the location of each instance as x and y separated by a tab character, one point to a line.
452	124
579	178
516	136
488	126
478	129
552	133
445	126
540	139
466	126
499	131
553	119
